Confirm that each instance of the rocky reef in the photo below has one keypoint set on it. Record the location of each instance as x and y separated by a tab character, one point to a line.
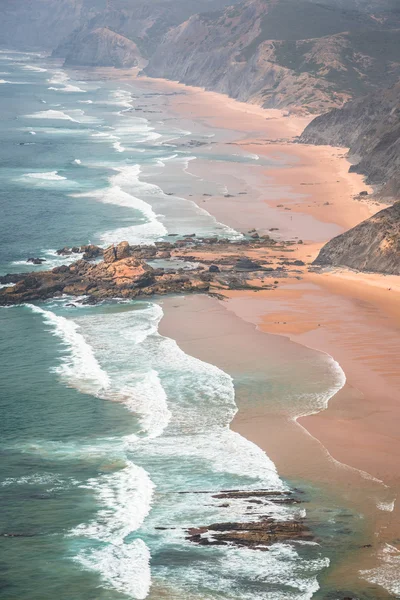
204	265
373	245
257	531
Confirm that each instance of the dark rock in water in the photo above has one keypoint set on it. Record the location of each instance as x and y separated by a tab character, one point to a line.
164	255
75	250
90	251
36	261
257	535
245	264
214	269
64	251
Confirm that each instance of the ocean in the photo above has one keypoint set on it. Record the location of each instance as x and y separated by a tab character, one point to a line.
114	441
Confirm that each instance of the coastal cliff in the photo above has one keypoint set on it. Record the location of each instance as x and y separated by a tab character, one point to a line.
370	127
373	245
282	54
103	47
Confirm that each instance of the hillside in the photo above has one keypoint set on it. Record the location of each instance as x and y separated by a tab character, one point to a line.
142	21
103	47
283	53
373	245
370	127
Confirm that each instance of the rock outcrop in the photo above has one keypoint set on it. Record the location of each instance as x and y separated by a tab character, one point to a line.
124	271
373	245
370	127
260	534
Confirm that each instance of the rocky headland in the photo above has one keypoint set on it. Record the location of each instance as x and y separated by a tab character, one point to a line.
207	265
373	245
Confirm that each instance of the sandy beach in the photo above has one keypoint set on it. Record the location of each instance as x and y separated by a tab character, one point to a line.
352	445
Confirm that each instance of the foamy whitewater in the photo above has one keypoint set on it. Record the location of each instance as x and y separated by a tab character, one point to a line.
184	407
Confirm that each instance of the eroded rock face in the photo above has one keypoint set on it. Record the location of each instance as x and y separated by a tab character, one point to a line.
373	245
370	127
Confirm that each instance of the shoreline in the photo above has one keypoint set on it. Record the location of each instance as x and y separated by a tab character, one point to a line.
329	199
311	199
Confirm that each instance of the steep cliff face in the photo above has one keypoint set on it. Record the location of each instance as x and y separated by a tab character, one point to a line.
373	245
370	127
105	48
281	53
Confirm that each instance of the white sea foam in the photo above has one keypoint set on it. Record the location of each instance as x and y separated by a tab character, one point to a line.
125	497
122	98
118	147
49	176
387	574
147	232
77	161
56	481
79	367
34	68
179	213
123	567
85	101
60	78
6	285
386	506
56	115
14	82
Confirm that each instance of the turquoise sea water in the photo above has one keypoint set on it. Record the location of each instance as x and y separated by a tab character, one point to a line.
104	421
